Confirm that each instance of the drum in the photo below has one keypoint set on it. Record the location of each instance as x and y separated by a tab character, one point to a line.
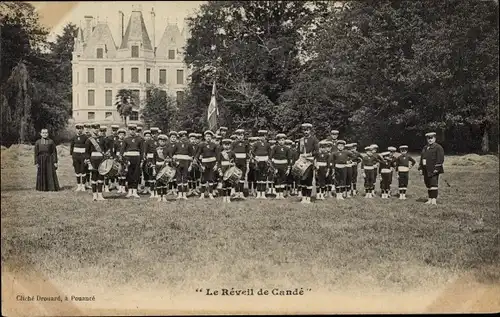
166	174
233	175
300	168
110	168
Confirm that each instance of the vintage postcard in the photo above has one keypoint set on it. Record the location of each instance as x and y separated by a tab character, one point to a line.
260	157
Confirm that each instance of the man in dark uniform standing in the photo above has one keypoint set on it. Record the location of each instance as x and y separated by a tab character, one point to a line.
88	133
132	152
241	149
330	182
261	151
431	165
95	151
77	151
308	148
111	183
208	151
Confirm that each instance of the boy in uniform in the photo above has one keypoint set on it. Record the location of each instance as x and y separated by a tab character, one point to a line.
172	186
208	152
225	160
261	151
252	171
95	150
241	149
323	162
308	148
132	152
404	163
369	166
183	158
117	146
291	189
271	190
385	169
339	162
148	168
355	160
77	151
280	156
88	134
160	161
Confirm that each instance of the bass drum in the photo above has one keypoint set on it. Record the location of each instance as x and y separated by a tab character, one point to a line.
301	167
166	174
110	168
233	175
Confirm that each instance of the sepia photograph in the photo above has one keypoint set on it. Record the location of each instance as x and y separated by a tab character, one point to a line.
249	157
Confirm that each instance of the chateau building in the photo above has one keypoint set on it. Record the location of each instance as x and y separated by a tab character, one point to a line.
101	67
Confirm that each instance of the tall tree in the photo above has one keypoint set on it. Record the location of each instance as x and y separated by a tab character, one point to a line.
125	103
160	110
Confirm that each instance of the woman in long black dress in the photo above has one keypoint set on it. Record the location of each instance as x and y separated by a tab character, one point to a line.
46	163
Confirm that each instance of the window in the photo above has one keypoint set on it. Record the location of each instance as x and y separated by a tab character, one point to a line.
135	51
180	77
171	54
163	93
135	95
100	53
90	75
108	75
122	75
179	96
163	76
134	116
108	115
135	75
91	116
91	97
108	96
148	75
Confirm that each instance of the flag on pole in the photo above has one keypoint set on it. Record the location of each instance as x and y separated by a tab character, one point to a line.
213	111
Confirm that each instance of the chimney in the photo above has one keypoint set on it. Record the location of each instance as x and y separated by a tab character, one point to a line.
120	25
153	31
88	27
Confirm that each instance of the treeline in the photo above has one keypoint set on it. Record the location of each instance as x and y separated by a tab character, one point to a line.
35	79
378	71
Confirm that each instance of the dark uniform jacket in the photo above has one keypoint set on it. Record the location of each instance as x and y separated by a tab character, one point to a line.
309	146
280	155
324	161
224	159
341	158
403	162
77	147
432	159
132	144
369	162
261	148
207	151
183	151
241	150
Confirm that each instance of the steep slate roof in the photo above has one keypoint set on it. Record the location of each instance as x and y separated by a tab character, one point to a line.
171	39
136	31
100	35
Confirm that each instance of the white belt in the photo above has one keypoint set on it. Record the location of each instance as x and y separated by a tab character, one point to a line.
225	163
386	170
96	154
160	163
78	150
132	153
322	164
240	155
348	165
276	161
261	158
340	165
403	168
369	167
424	162
184	157
150	155
208	159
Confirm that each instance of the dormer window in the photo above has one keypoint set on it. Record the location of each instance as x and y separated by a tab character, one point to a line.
135	51
171	54
100	53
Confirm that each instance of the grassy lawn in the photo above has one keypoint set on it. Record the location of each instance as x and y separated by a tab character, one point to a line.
329	246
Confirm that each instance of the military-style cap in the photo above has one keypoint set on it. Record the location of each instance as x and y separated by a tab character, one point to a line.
79	126
218	137
208	132
96	125
132	126
198	135
323	143
288	142
192	135
262	132
115	127
163	137
354	144
227	141
341	142
159	130
154	130
87	125
349	145
182	133
280	136
103	128
391	148
122	130
223	129
368	148
172	133
253	138
272	141
306	125
233	136
430	134
146	132
385	153
239	131
334	132
139	128
403	147
374	146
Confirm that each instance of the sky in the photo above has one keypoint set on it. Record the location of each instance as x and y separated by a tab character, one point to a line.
56	15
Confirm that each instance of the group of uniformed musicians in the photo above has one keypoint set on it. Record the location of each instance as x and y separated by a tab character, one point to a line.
266	165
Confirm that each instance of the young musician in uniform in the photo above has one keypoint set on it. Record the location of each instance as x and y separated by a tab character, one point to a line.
225	160
183	157
290	188
260	152
369	167
88	133
355	160
194	165
108	145
298	183
280	156
252	171
155	134
330	182
403	163
385	170
46	163
111	183
271	190
377	155
241	149
323	162
308	148
132	152
392	156
217	182
160	156
118	144
339	162
431	165
208	151
96	149
222	133
77	151
348	171
148	168
172	186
